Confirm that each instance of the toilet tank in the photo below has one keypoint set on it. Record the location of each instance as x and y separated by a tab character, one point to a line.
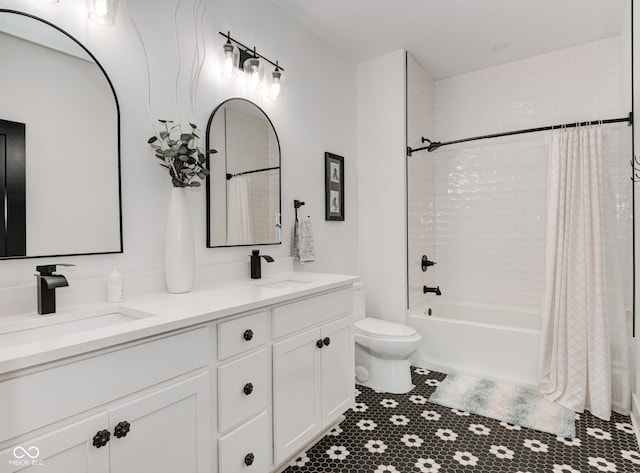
358	301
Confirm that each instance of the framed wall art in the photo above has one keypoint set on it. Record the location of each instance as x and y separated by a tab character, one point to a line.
334	186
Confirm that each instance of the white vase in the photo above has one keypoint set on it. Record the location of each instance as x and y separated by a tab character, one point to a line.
179	253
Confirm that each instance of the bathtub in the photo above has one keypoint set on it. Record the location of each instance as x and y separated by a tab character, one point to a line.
490	341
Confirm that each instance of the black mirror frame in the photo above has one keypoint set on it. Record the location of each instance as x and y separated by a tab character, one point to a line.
117	104
208	180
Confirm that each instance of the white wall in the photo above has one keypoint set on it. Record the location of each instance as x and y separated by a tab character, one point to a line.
316	115
382	180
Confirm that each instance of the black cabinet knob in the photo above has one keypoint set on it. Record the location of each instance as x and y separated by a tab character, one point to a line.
248	459
122	429
248	334
326	341
320	343
101	438
248	388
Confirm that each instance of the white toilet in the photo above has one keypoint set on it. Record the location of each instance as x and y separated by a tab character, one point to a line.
383	350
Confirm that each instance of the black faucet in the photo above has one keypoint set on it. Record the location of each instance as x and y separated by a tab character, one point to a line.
47	284
256	271
436	289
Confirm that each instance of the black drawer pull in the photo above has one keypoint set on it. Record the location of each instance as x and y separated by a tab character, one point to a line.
320	343
248	459
122	429
326	341
101	438
248	388
248	334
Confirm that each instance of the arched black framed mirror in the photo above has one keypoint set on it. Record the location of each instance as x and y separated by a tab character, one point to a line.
243	188
60	184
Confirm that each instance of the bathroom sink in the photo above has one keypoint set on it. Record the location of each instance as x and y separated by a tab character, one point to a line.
52	327
284	283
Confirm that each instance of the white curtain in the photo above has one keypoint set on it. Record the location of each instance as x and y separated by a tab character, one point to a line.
239	228
579	304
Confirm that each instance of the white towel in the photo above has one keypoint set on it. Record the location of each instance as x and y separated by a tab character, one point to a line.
303	244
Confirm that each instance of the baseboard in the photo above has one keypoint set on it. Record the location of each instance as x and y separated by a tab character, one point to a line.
635	414
285	464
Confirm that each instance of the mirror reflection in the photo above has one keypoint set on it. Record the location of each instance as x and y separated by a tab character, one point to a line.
243	189
61	185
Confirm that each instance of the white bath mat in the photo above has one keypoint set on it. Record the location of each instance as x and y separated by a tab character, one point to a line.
506	402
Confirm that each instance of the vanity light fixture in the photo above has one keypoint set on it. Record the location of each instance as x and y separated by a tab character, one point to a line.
230	60
276	85
103	12
253	67
236	55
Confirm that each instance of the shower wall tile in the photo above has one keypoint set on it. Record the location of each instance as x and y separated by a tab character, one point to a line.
421	192
571	84
489	199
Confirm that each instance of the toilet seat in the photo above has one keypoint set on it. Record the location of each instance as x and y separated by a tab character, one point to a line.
383	329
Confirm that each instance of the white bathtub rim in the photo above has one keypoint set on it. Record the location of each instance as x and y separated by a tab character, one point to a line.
506	328
436	301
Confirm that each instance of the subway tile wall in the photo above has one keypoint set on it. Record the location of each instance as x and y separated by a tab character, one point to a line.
490	195
421	191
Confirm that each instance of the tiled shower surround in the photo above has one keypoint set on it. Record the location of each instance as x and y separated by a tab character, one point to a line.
479	208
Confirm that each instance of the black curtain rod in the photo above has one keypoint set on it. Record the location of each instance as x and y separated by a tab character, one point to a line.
434	145
229	176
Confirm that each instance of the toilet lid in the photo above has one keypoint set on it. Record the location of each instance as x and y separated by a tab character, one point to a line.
383	328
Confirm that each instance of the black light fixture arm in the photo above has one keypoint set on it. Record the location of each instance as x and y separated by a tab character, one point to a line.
250	51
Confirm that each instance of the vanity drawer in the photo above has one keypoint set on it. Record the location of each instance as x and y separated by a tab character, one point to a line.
299	315
246	448
242	389
241	334
42	398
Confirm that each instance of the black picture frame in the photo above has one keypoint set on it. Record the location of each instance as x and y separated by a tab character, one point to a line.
334	187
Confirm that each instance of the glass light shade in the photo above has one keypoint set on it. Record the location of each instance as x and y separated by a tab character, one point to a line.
253	68
276	85
103	12
229	61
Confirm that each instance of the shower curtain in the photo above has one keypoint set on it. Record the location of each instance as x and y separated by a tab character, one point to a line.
239	228
579	305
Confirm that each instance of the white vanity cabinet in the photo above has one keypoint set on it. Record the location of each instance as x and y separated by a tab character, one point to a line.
147	406
313	381
241	389
243	394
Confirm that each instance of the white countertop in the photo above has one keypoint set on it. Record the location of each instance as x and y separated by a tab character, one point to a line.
158	313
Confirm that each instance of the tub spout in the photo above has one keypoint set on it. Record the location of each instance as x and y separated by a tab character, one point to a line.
435	290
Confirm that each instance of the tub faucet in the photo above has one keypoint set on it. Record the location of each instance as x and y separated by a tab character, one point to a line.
47	284
436	290
256	270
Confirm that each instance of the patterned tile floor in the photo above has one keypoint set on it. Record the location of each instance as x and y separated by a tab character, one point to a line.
404	433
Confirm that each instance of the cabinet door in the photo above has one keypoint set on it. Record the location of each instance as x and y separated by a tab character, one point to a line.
66	450
337	369
245	449
296	392
169	430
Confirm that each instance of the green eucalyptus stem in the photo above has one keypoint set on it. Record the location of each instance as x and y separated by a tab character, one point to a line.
180	154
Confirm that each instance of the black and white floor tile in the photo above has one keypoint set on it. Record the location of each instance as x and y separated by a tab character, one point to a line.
404	433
